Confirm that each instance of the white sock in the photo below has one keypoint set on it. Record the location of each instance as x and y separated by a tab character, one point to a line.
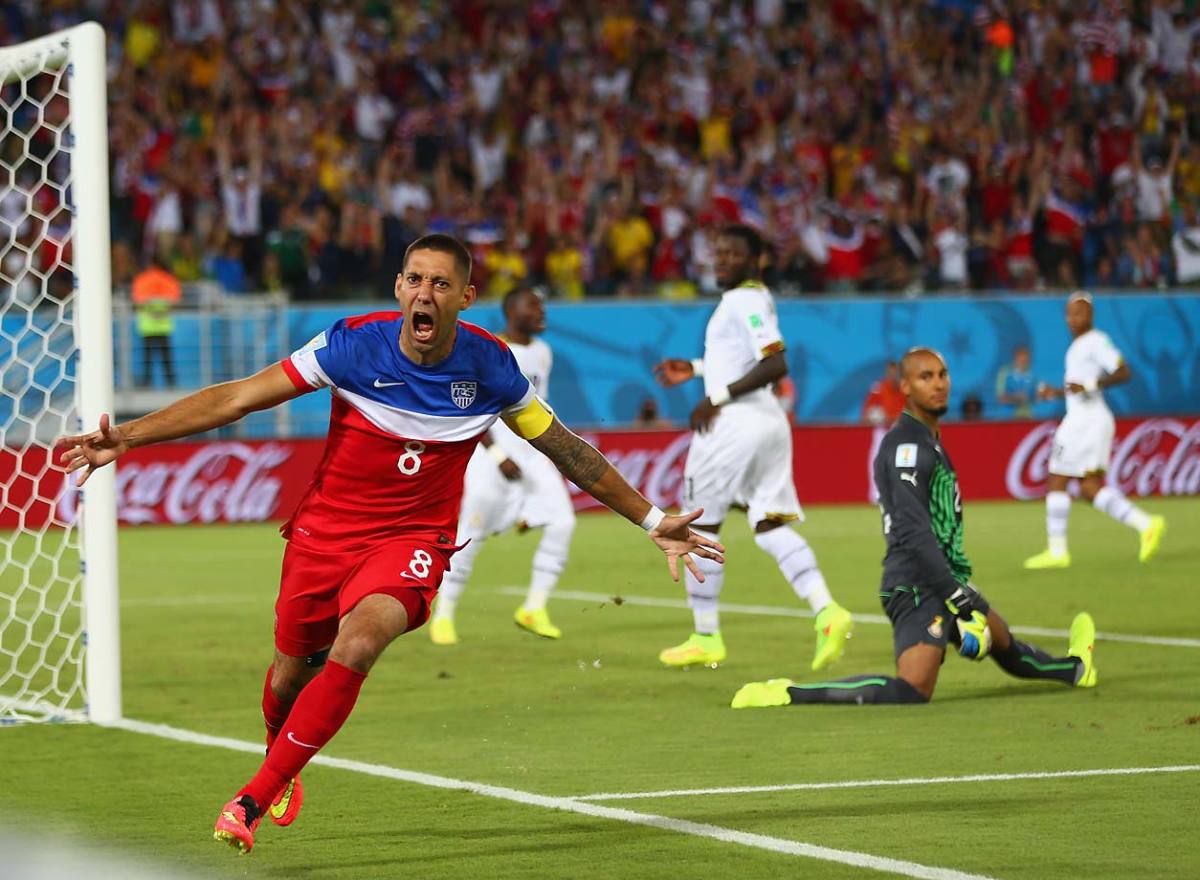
548	562
798	563
1058	509
455	580
703	598
541	584
1110	501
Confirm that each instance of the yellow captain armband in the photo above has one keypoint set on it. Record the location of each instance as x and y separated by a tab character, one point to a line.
532	421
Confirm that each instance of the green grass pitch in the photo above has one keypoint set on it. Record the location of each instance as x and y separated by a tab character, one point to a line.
595	713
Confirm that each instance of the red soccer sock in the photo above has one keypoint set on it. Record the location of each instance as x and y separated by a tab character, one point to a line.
275	711
319	713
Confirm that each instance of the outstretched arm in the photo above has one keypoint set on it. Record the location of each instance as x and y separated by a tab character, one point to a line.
208	408
583	465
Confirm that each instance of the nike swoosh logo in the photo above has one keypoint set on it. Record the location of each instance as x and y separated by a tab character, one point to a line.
379	384
405	574
292	739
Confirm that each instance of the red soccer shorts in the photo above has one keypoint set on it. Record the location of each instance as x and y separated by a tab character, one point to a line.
316	590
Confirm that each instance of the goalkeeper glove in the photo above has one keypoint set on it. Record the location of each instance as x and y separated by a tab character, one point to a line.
974	637
964	601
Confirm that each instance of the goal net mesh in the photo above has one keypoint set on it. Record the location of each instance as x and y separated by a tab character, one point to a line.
42	642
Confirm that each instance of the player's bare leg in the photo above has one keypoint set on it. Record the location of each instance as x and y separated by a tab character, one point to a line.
704	647
318	713
798	564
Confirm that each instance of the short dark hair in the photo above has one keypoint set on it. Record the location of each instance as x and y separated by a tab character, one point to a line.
510	298
749	236
445	244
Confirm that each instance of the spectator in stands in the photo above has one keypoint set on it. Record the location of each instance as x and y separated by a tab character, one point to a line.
155	294
972	408
565	265
1185	244
241	197
505	267
884	401
648	418
908	123
1016	387
225	266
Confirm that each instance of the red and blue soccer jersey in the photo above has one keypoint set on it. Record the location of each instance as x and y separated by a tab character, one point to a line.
400	434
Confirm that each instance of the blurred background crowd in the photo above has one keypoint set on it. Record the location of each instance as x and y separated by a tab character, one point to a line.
595	146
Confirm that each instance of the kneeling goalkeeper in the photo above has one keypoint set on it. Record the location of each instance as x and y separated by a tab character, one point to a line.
926	591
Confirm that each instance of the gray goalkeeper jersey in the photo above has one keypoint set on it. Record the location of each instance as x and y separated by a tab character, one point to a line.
922	511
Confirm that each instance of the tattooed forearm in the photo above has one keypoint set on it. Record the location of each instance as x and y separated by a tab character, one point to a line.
577	459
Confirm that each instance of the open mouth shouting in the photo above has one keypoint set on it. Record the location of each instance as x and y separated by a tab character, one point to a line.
424	327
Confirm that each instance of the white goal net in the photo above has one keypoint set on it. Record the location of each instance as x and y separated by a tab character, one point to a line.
58	625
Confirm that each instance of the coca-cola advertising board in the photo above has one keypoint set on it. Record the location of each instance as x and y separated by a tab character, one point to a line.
255	481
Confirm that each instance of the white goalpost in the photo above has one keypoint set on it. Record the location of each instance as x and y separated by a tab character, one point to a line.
59	633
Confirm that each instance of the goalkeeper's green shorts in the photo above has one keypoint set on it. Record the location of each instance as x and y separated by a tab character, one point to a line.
919	617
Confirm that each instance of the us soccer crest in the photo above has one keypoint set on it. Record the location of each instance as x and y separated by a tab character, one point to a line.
463	393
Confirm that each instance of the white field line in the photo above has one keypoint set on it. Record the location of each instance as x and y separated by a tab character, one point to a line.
781	611
664	823
882	783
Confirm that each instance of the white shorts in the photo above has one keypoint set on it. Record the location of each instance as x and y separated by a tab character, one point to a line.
1082	444
744	460
492	503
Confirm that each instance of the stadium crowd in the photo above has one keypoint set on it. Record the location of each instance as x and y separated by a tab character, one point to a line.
595	147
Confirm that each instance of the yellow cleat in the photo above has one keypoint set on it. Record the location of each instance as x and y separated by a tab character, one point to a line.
1082	644
442	631
761	694
834	626
1047	559
536	622
698	650
286	806
1151	537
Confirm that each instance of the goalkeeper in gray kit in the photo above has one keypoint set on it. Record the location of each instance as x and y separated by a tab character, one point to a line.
926	589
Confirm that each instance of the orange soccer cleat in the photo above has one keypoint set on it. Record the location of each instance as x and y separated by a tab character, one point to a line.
237	822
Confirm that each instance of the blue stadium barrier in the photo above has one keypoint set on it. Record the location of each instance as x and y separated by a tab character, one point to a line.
604	352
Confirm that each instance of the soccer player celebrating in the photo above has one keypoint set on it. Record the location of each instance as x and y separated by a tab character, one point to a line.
926	589
741	453
510	483
412	392
1083	442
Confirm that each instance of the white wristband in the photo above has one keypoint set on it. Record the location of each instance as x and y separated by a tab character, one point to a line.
697	367
1090	385
497	453
652	519
721	396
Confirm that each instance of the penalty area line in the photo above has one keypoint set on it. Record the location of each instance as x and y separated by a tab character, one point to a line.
883	783
650	820
781	611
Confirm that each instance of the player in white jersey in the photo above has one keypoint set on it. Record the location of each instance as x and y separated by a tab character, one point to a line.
741	453
509	483
1083	442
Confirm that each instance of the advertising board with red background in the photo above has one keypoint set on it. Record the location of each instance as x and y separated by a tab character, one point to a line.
255	481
